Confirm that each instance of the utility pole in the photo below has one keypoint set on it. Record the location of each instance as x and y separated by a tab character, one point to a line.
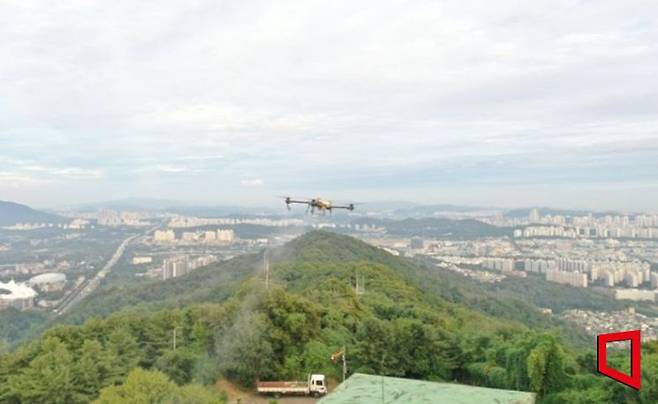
344	362
175	328
360	288
382	378
267	266
342	354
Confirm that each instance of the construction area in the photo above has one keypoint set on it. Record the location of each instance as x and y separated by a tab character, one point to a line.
366	389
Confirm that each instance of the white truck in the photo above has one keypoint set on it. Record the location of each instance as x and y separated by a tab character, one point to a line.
315	386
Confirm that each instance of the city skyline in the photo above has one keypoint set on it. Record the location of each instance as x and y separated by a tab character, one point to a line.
506	105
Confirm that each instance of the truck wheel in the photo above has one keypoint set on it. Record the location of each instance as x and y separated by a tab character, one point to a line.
277	395
316	394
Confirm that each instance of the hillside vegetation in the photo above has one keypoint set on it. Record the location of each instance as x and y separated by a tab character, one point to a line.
214	283
311	309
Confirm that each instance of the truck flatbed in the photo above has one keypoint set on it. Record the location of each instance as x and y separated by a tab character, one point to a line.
315	385
283	385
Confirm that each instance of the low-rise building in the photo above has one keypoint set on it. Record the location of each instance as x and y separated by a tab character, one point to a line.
499	264
142	260
164	235
575	279
635	294
226	236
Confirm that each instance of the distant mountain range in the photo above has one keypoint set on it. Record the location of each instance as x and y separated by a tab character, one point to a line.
172	206
385	209
12	213
149	204
524	212
399	209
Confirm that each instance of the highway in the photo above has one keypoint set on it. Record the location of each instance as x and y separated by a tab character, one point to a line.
88	286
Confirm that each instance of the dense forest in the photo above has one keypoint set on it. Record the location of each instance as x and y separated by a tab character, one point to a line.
16	325
399	326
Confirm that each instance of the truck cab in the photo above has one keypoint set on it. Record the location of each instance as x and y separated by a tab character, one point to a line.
317	385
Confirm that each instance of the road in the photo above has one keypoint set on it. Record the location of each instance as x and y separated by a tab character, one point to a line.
89	285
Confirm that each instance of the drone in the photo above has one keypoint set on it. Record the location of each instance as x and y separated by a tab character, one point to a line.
322	205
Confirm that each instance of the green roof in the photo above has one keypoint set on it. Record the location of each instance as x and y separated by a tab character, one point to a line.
365	389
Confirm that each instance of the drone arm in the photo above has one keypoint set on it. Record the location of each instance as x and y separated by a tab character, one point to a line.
291	201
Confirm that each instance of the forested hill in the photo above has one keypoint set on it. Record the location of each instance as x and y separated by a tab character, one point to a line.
217	282
324	246
390	326
12	213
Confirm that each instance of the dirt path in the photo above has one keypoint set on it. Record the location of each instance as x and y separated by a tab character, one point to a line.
239	395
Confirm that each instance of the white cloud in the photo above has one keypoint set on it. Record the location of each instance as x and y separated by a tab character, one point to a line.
202	158
172	169
25	171
16	179
251	182
280	91
77	173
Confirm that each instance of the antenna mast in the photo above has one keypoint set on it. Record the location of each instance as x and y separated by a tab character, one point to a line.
360	289
266	263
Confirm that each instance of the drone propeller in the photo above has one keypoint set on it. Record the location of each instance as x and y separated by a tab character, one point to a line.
286	199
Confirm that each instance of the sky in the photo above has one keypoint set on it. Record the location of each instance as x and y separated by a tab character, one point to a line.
505	103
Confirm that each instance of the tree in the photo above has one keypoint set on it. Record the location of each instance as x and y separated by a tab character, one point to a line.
124	353
585	389
141	387
48	378
149	387
422	351
316	359
374	352
293	321
205	370
201	337
244	352
545	365
178	365
92	368
649	390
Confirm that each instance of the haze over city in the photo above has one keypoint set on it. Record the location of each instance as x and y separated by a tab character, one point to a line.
549	103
